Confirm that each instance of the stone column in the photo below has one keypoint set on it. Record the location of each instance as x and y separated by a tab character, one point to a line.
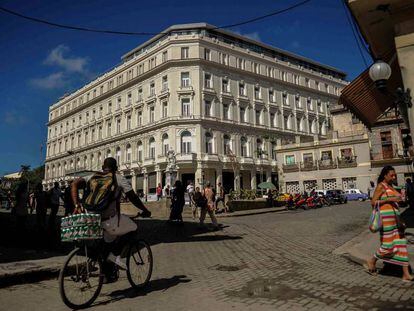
237	180
198	177
159	175
253	181
219	176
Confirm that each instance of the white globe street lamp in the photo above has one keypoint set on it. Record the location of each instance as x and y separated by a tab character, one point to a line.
380	72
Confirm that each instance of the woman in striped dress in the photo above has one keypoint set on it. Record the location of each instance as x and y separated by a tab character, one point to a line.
393	247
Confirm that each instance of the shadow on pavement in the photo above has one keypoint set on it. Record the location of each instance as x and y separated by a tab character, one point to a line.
39	244
153	286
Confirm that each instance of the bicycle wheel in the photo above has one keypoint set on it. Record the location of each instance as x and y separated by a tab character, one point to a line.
139	264
80	280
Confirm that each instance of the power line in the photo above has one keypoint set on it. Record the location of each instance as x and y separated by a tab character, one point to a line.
353	32
42	21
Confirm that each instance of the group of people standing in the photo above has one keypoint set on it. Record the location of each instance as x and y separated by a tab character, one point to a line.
203	202
40	201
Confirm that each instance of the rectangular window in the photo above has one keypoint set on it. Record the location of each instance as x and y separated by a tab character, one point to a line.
207	54
285	99
164	109
271	96
346	153
226	111
317	86
308	158
140	94
309	104
185	104
152	114
139	118
118	103
258	119
272	119
257	94
129	99
101	90
185	79
242	114
225	85
242	89
307	82
207	108
290	160
208	83
241	64
152	89
326	156
109	129
128	119
118	126
184	53
165	83
100	132
164	56
297	102
224	59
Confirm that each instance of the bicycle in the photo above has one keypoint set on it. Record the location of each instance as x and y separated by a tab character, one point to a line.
83	269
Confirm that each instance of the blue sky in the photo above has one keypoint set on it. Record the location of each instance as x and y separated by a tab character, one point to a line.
39	63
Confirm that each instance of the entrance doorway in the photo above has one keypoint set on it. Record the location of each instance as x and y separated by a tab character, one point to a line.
186	178
228	181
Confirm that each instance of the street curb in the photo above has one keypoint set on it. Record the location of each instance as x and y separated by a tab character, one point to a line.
30	276
252	212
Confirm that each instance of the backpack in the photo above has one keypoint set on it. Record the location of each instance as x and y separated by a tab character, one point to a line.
100	191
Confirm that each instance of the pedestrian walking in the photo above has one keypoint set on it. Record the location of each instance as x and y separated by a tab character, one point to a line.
167	190
221	198
40	205
20	209
54	196
190	191
208	207
177	202
159	192
199	201
393	247
67	200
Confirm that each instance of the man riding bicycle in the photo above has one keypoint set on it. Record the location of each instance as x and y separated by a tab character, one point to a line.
115	225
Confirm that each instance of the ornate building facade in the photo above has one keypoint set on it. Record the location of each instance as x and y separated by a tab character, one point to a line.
221	101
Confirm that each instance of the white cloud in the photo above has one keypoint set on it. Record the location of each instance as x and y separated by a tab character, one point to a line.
14	118
53	81
56	57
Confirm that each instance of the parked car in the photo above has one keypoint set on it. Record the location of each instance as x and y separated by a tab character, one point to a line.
337	196
355	194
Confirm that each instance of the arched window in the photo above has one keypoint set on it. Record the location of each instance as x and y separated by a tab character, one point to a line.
314	128
78	163
128	153
165	144
186	142
152	148
65	168
243	145
108	153
118	155
139	151
209	143
85	161
93	166
53	171
290	122
226	144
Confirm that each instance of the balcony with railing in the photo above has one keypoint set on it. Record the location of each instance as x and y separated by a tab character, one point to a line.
308	166
327	164
390	155
345	162
291	167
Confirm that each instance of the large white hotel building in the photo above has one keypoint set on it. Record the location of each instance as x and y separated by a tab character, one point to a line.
223	102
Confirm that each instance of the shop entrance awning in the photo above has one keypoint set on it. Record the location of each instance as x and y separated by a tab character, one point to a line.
364	100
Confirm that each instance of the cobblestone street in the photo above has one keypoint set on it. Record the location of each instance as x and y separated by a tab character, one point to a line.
264	262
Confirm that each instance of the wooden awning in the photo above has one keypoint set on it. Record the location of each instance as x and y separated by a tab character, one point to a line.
365	100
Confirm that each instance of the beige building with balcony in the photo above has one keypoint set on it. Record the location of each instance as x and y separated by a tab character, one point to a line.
221	101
